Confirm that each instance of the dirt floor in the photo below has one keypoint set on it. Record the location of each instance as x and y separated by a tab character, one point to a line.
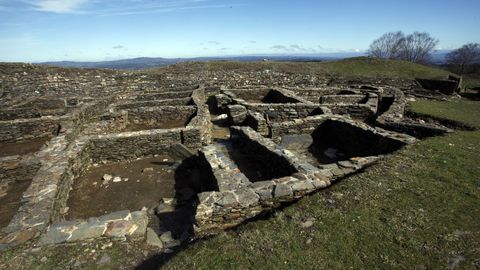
220	128
143	183
22	148
319	155
10	197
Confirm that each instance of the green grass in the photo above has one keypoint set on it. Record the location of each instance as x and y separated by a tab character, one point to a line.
351	67
471	80
467	112
416	209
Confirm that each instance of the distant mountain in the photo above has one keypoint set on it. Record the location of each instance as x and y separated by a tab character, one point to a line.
438	57
134	63
149	62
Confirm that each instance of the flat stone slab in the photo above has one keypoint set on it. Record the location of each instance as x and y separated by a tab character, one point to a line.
115	225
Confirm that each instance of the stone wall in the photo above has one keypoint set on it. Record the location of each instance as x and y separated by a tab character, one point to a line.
238	199
156	115
391	104
17	168
20	113
357	111
32	81
343	99
161	96
82	116
257	122
155	103
314	94
444	86
356	140
42	201
201	121
129	145
26	129
391	117
310	124
117	225
284	112
44	103
256	94
359	106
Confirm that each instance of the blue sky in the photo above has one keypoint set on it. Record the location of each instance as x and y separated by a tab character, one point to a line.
52	30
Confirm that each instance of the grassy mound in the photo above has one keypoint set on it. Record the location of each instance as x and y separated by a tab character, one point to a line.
351	67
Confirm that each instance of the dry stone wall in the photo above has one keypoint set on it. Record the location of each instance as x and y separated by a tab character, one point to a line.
86	112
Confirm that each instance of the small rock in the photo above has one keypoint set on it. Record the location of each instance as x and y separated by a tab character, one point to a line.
35	250
148	169
43	259
168	251
117	179
105	259
126	179
454	261
106	178
107	245
164	208
307	224
152	239
309	240
165	160
167	237
168	200
168	240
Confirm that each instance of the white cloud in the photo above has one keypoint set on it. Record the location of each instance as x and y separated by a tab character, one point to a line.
58	6
117	7
294	48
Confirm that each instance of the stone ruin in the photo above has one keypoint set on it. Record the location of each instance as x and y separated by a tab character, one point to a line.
88	154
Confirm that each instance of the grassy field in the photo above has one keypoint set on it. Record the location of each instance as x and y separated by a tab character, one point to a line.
471	80
450	110
351	67
416	209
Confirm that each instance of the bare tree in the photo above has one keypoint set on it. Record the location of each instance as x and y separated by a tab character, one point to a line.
464	56
387	46
415	47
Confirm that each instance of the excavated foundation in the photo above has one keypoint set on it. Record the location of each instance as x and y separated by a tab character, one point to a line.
142	157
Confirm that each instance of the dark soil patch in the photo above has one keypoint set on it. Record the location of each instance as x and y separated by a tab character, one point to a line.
10	197
144	187
22	148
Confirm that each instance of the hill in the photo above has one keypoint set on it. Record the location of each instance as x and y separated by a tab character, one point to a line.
349	67
149	62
